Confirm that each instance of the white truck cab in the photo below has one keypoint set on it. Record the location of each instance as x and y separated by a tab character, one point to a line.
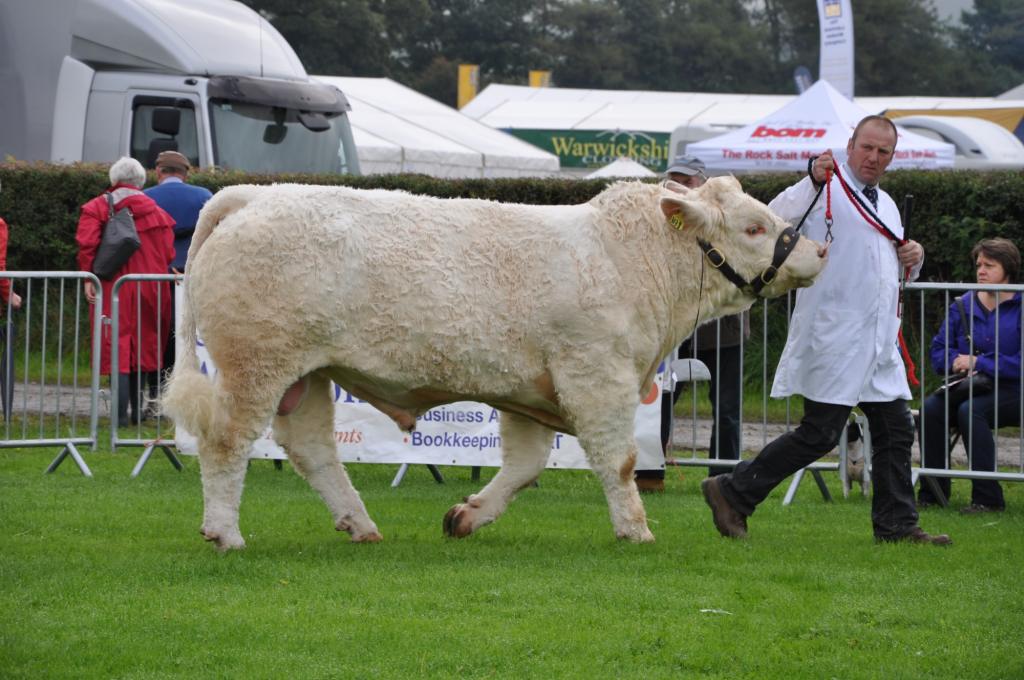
212	79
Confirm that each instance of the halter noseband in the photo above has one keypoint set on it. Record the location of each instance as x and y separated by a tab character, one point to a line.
784	245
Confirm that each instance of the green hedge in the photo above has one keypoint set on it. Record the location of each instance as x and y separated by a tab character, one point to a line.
952	210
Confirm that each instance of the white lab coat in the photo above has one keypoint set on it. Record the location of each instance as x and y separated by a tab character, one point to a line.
842	346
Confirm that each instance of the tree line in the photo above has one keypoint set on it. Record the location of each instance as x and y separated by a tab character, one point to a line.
750	46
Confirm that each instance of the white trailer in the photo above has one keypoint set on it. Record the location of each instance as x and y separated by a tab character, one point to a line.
93	80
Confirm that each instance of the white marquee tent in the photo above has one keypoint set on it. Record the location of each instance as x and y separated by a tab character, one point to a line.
622	167
820	118
397	129
685	117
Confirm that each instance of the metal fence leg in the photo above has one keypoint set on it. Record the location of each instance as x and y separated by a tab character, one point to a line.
793	486
404	467
69	450
400	475
798	477
821	485
844	457
933	484
144	458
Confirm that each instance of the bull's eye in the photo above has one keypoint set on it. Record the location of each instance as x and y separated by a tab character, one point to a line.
755	230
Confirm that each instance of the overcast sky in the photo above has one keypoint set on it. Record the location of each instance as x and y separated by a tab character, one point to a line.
949	9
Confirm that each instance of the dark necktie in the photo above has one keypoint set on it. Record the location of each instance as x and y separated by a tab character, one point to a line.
872	195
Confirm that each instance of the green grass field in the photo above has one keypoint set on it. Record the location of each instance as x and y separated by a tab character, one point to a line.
109	578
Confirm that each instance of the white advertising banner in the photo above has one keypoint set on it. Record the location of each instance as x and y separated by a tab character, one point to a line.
835	17
463	433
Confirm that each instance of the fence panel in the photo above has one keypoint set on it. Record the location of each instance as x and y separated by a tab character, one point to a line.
49	378
925	309
930	302
147	303
926	305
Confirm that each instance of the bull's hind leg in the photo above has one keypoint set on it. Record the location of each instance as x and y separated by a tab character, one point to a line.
603	421
307	434
525	447
223	456
243	406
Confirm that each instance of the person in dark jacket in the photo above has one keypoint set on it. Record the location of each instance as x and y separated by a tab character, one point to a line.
720	351
144	314
182	201
990	315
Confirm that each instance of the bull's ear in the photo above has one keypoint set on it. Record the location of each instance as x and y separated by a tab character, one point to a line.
682	213
721	186
675	186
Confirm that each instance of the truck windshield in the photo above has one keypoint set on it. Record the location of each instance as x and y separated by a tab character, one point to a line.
261	138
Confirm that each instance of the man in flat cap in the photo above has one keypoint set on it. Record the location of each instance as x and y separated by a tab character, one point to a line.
183	201
688	171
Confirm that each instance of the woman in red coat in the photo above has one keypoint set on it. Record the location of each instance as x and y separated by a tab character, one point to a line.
8	299
141	340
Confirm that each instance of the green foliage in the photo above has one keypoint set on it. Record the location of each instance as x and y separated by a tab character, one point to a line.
952	210
993	40
109	578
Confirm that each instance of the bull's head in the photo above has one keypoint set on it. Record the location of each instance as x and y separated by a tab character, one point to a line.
748	243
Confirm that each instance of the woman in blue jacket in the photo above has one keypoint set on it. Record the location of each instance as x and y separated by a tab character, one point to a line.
998	262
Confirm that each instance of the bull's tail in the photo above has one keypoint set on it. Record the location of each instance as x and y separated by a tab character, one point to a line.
191	398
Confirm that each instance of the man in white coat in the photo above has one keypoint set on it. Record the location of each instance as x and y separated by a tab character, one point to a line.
842	347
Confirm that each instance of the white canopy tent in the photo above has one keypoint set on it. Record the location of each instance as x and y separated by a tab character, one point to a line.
397	129
819	119
622	167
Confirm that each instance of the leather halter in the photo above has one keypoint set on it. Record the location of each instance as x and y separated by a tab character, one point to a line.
784	245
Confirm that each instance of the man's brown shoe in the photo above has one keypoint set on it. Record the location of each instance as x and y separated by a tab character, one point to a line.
650	485
728	521
978	509
918	535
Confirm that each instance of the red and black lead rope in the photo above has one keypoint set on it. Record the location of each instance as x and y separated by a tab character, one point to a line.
879	226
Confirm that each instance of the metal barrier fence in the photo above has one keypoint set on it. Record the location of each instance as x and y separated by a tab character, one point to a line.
925	308
47	341
150	300
60	391
1013	469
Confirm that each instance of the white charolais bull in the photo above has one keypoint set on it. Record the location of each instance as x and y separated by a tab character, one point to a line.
558	316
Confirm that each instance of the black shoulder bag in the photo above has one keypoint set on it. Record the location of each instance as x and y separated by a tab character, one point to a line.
119	242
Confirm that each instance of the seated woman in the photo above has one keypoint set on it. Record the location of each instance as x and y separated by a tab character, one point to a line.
998	262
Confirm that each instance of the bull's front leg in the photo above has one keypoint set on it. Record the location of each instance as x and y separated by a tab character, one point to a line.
525	447
603	419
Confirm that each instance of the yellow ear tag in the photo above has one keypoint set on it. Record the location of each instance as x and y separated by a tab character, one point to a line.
677	221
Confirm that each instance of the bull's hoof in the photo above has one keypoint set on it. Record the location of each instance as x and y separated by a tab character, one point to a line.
367	535
457	521
223	542
644	536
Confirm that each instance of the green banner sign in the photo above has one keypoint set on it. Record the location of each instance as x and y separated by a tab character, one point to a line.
590	149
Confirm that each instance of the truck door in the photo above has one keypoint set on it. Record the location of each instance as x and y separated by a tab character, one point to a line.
161	123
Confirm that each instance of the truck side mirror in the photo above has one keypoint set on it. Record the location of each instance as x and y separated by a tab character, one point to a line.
314	121
274	133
